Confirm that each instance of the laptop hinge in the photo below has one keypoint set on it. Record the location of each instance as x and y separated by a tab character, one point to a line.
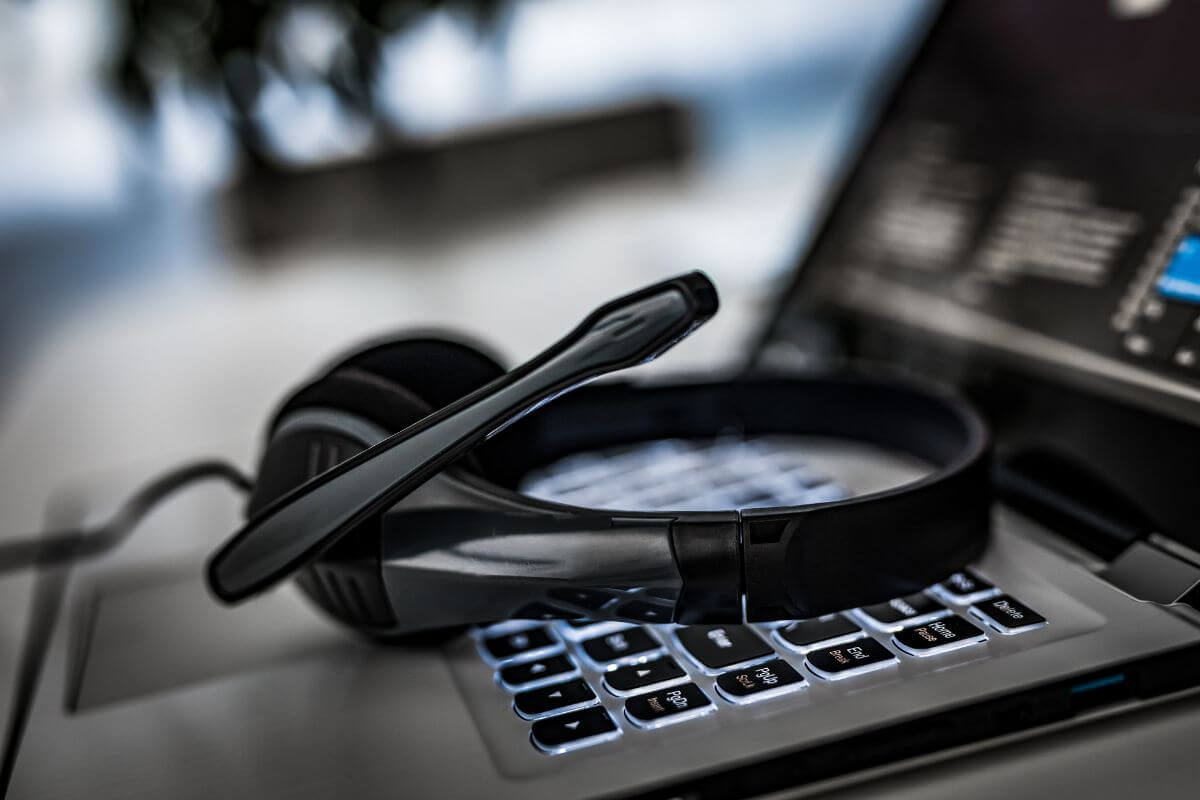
1076	503
1147	573
1073	501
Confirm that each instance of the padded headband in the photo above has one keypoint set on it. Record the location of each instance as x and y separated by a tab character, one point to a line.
801	561
935	426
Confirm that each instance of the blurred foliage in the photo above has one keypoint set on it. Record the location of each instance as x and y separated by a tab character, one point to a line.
229	44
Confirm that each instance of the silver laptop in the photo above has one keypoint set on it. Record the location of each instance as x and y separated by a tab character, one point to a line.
1019	222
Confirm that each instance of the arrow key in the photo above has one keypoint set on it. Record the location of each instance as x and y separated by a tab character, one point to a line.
554	699
533	674
625	681
574	730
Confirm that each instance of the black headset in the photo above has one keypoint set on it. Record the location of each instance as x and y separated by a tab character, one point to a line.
388	487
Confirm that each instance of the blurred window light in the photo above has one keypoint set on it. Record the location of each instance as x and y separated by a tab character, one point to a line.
747	70
64	44
60	144
309	37
437	76
441	73
196	145
564	49
61	161
305	122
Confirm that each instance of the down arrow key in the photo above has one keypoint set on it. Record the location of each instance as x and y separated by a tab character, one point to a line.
574	730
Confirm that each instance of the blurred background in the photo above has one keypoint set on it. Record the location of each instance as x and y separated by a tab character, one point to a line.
202	201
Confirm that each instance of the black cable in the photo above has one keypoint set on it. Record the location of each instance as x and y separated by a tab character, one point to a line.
54	547
46	598
52	555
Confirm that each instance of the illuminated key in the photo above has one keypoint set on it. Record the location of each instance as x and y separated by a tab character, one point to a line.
1005	614
822	631
751	684
716	647
571	731
667	706
553	699
939	636
848	660
902	612
622	646
520	645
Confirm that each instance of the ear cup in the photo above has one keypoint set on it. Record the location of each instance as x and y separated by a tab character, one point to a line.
326	422
364	394
435	369
390	385
362	400
320	425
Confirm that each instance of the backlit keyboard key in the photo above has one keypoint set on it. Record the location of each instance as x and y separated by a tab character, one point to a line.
577	630
520	645
822	631
902	612
643	611
848	660
1007	615
571	731
543	611
715	647
964	588
939	636
623	646
537	673
639	677
591	599
769	679
554	699
667	706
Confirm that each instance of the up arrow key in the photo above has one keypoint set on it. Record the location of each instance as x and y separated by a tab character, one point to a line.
571	725
641	673
555	694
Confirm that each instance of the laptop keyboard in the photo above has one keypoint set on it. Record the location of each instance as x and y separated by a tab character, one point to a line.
581	683
557	673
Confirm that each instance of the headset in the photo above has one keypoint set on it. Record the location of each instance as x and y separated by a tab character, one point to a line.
387	488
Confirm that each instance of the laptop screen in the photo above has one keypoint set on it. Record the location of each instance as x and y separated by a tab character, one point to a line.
1026	212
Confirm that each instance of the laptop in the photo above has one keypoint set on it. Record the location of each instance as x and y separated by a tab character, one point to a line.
1022	221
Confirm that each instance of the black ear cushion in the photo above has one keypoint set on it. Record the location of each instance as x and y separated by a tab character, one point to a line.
435	369
362	394
368	396
293	458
